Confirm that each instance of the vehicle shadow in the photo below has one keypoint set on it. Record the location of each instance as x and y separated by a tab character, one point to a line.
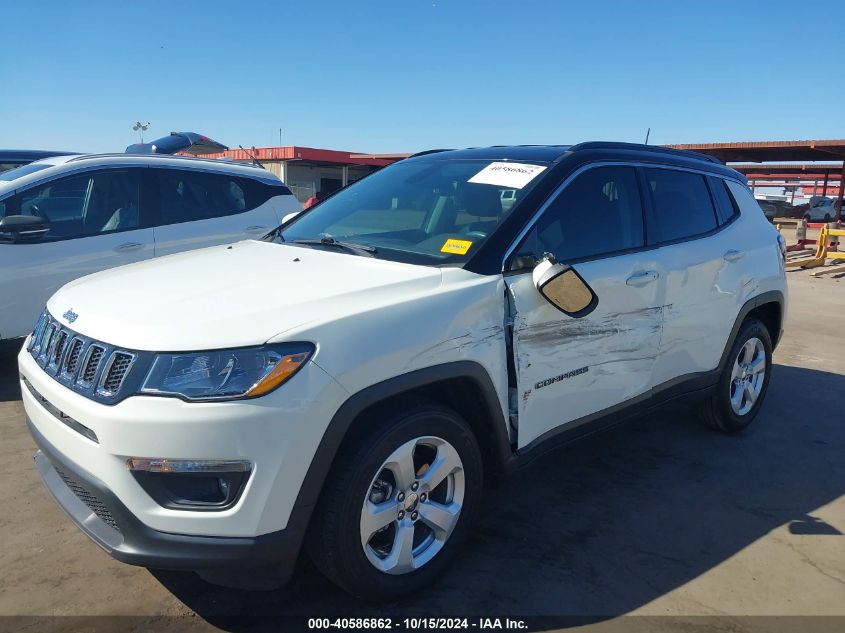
611	523
10	388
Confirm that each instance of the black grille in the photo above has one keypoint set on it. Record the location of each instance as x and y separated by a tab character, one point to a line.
93	368
117	371
45	342
95	355
58	349
89	499
72	360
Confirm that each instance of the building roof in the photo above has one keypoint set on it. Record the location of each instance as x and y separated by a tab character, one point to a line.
309	154
806	170
760	151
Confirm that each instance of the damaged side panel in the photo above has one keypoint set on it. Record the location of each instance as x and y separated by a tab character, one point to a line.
566	368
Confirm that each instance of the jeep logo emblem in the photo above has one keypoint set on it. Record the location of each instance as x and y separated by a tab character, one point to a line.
70	315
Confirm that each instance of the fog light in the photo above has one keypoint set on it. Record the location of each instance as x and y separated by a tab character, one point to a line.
188	465
191	484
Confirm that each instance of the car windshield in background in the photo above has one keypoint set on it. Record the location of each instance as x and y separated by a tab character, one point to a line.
23	170
418	211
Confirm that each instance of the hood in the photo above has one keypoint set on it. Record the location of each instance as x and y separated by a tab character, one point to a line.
230	296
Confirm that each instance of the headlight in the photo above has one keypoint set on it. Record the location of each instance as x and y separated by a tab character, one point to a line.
225	374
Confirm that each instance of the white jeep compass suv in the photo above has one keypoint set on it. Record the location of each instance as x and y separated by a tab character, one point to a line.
348	383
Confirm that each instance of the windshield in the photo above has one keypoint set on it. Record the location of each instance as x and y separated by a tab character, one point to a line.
419	211
23	170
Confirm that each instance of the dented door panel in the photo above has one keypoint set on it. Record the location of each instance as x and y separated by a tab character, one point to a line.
567	367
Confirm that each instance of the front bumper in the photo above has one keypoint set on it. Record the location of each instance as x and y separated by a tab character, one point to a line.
106	521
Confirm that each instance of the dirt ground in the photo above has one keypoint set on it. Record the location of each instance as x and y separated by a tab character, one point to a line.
659	517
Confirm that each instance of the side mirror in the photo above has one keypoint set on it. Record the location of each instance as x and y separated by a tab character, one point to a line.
564	288
23	228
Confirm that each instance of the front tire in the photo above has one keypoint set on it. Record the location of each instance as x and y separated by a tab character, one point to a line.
398	503
742	386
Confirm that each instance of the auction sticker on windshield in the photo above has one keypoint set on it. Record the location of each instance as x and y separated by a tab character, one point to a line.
456	247
514	175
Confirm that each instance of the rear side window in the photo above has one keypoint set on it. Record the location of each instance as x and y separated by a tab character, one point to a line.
726	207
186	196
682	205
598	213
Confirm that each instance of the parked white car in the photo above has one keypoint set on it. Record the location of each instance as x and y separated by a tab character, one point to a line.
69	216
351	383
821	209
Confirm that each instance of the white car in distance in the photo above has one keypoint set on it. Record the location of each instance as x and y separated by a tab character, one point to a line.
68	216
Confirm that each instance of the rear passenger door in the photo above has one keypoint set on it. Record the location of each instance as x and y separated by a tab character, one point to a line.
568	368
198	209
691	219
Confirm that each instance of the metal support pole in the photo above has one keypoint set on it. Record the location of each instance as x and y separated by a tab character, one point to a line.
824	186
841	191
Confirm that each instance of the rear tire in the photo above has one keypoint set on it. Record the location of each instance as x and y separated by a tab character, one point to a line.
396	470
744	380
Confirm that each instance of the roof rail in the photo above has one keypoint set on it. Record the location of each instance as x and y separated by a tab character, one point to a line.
429	151
646	148
215	161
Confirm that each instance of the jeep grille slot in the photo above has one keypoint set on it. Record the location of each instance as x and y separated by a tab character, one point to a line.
92	363
114	373
72	358
58	349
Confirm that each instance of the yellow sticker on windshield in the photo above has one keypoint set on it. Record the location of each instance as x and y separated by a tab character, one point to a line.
456	247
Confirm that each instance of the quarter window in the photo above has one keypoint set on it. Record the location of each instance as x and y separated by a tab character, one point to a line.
743	197
726	206
599	213
682	205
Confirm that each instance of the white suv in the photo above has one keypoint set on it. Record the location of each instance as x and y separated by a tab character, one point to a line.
68	216
350	383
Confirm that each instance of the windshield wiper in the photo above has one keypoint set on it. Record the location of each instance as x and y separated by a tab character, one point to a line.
330	241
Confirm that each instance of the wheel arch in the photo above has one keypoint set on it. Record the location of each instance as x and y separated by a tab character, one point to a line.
768	308
465	386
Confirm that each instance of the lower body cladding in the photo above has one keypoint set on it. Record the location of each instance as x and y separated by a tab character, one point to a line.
162	521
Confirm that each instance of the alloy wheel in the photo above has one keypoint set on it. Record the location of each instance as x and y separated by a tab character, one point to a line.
748	376
412	505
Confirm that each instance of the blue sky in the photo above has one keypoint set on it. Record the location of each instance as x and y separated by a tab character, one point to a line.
406	75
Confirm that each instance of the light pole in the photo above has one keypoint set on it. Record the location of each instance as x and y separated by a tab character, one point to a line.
141	128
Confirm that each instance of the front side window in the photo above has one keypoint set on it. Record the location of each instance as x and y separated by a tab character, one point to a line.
598	213
682	205
426	211
187	196
83	205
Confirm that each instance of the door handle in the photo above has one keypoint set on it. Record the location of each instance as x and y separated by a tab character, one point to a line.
128	247
732	256
256	229
642	278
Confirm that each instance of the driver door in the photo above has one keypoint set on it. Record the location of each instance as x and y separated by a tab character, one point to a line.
570	367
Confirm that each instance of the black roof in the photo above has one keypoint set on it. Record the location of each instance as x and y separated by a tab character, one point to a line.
589	152
24	156
543	153
553	153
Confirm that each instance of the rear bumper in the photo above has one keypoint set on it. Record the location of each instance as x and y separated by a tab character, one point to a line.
100	515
